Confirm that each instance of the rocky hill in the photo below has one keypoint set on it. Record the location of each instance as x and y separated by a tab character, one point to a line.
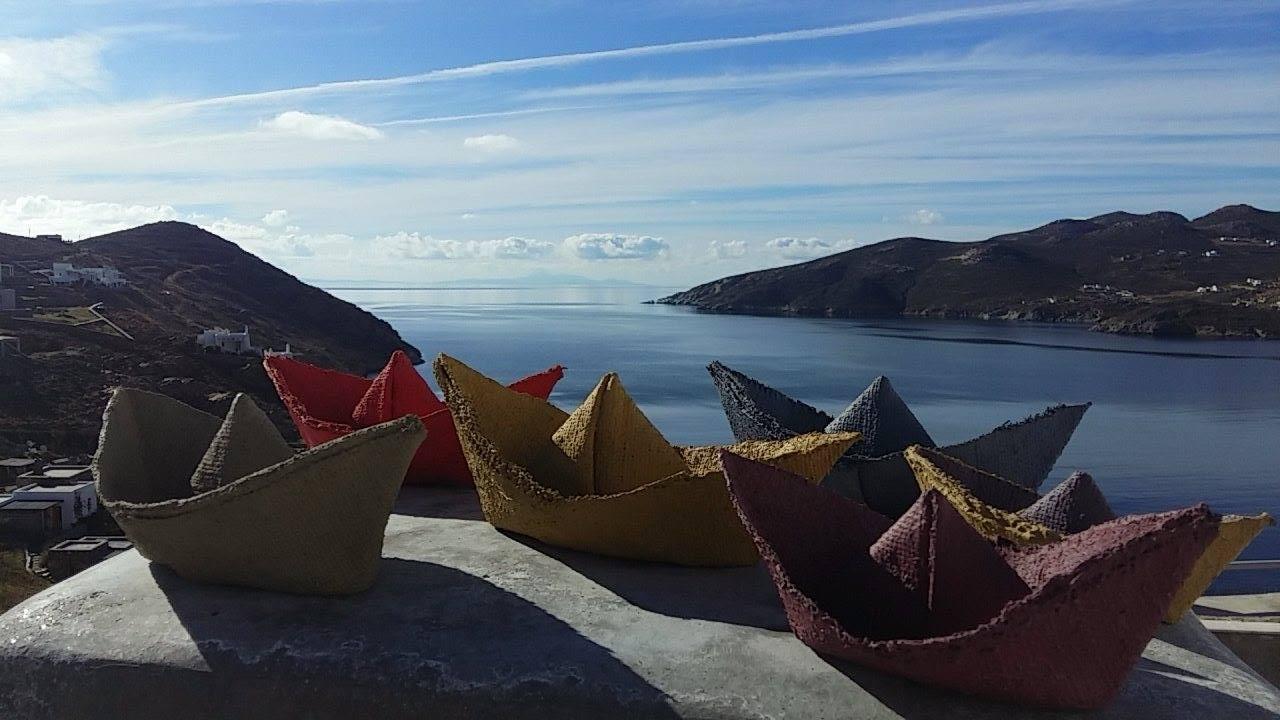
181	280
1157	274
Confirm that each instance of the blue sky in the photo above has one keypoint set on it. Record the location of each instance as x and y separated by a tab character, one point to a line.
672	141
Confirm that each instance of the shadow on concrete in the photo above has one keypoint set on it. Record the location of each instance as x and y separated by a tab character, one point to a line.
735	595
425	641
1160	697
439	502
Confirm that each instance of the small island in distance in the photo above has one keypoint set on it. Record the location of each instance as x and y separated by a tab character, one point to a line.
1157	274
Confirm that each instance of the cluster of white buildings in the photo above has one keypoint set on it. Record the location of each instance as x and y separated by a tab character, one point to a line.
68	274
49	501
223	340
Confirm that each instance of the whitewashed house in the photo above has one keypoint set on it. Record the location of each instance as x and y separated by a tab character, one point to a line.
78	498
68	274
64	274
223	340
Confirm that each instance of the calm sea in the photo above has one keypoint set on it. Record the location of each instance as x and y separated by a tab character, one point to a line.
1173	422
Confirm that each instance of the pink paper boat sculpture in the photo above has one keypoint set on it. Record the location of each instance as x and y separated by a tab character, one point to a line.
925	597
327	404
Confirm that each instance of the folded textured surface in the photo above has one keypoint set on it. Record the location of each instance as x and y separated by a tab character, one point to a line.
603	479
310	523
875	470
1094	600
326	404
1000	510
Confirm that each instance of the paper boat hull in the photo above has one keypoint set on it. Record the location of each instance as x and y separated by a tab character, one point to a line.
321	403
1023	452
1096	598
312	524
684	519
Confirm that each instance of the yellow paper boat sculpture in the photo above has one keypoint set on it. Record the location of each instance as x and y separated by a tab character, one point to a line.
603	479
225	500
996	508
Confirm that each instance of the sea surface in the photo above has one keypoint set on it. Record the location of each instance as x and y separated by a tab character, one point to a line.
1173	422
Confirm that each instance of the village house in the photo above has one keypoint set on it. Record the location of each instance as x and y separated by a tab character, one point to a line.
13	468
29	520
51	236
6	273
223	340
68	274
71	556
287	352
70	486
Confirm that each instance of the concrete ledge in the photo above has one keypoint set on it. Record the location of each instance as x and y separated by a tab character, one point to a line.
1249	625
468	622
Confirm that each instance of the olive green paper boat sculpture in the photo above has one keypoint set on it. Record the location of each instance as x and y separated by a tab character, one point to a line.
874	471
227	501
1001	510
603	479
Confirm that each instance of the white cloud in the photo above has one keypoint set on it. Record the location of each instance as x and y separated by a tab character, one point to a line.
491	143
75	218
39	69
805	248
726	249
276	243
416	246
276	218
611	246
319	127
925	217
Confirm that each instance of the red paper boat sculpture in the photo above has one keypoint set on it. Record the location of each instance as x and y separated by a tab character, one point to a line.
326	404
1057	625
875	470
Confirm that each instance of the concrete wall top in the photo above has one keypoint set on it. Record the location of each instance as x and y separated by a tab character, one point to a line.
466	621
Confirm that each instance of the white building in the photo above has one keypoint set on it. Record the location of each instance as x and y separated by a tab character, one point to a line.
79	499
68	274
286	353
223	340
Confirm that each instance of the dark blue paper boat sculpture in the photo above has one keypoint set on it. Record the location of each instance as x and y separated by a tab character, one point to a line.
874	470
926	597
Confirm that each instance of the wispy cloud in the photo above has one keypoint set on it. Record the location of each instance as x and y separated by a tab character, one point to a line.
492	143
46	68
924	216
319	127
794	248
727	249
935	17
417	246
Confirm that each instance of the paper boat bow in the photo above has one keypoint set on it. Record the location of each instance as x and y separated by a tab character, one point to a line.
1000	510
603	479
1057	625
326	404
874	470
225	500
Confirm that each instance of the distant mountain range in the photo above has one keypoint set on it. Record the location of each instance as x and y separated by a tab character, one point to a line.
1156	274
181	280
540	279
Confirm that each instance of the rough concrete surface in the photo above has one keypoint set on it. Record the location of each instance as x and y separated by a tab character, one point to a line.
465	621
